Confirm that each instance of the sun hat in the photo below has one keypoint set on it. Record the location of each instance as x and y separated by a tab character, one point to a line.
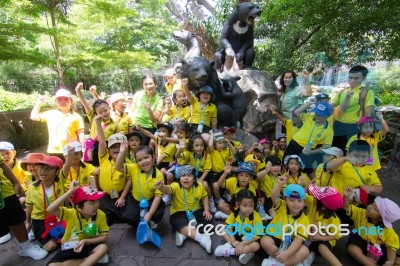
6	146
63	93
246	167
116	138
166	125
389	211
77	145
86	193
52	161
32	158
134	133
288	157
365	119
333	151
328	196
116	97
225	130
184	170
323	109
294	191
218	136
207	89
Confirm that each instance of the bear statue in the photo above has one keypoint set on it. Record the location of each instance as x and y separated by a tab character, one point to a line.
237	37
189	40
233	94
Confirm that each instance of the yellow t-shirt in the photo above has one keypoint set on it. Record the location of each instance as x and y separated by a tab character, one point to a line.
176	112
7	189
143	186
278	154
296	180
267	184
109	127
35	198
124	122
82	175
283	217
198	114
29	179
254	221
323	178
193	197
388	237
62	128
19	173
352	114
168	149
354	176
316	218
232	186
200	164
75	224
373	142
109	177
310	132
219	159
290	129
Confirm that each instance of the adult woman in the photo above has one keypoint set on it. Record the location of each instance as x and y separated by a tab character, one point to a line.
147	106
291	93
63	124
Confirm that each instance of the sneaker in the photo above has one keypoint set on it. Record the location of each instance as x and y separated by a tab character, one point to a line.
167	199
34	251
220	215
308	261
266	217
5	238
271	262
227	196
213	209
103	259
153	225
223	250
31	236
179	238
205	242
245	258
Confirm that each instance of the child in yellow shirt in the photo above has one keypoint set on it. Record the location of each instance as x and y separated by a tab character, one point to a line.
323	177
134	141
294	166
8	152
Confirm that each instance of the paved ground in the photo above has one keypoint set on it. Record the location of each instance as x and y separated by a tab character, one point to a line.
124	250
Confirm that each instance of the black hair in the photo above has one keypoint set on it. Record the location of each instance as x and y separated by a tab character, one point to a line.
274	160
269	144
174	97
185	127
195	183
99	102
145	149
360	145
149	76
80	204
323	209
359	69
294	82
192	139
245	194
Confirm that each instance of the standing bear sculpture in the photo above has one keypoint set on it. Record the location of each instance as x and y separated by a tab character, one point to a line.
189	40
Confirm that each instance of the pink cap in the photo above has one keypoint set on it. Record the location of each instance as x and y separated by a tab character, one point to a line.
63	93
365	119
263	141
329	196
86	193
52	161
389	210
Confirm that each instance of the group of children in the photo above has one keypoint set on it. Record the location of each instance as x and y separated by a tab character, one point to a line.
202	172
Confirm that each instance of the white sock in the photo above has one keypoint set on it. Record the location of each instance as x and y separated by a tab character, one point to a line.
24	245
232	251
198	237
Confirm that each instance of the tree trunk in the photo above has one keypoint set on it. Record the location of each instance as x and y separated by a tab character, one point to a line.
394	161
56	45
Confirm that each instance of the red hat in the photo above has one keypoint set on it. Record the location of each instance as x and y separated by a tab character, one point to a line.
225	130
329	196
52	161
86	193
32	158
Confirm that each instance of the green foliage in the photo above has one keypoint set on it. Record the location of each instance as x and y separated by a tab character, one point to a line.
12	101
389	86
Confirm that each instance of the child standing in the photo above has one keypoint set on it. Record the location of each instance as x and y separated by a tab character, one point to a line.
380	248
367	132
86	232
245	216
294	166
323	177
118	114
187	197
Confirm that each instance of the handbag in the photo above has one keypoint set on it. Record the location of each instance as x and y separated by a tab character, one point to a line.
89	150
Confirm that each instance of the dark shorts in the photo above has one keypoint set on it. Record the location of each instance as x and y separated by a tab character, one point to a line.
277	241
70	254
342	133
179	220
206	129
118	215
214	177
314	245
11	215
157	216
164	165
38	229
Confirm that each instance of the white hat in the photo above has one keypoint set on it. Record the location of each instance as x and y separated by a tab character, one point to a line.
116	138
6	146
116	97
77	145
63	93
334	151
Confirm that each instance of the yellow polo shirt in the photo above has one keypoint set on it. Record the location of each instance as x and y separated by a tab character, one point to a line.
124	122
200	164
323	178
82	175
168	149
198	114
19	173
109	127
109	177
267	184
254	221
179	113
193	197
231	184
7	189
219	159
373	142
310	132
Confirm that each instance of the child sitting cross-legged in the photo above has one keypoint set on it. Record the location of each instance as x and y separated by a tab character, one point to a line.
237	244
186	211
86	231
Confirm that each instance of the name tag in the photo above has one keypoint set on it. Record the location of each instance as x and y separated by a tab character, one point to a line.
69	245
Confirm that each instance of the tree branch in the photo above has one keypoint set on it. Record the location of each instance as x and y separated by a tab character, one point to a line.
303	41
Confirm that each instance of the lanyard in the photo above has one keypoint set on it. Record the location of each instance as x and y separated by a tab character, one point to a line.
147	183
203	112
46	200
358	173
319	134
222	157
79	220
197	163
78	177
288	220
185	199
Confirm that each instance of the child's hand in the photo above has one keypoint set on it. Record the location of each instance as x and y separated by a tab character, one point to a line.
74	185
282	179
275	143
120	202
228	168
348	192
78	248
316	237
93	89
239	248
70	151
268	166
147	217
281	256
98	118
207	215
349	94
182	144
124	146
79	87
41	99
147	106
185	82
302	181
158	184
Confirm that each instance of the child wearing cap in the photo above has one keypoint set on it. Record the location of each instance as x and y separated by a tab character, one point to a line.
255	155
289	248
244	173
241	244
379	248
63	124
323	177
229	134
366	126
8	152
117	203
12	215
321	204
294	169
40	195
86	229
143	175
189	207
118	114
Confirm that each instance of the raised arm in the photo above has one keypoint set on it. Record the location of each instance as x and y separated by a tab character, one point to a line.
146	133
276	114
35	114
68	161
307	85
54	208
120	161
277	189
163	188
100	136
82	98
221	180
211	142
385	127
93	91
335	163
185	87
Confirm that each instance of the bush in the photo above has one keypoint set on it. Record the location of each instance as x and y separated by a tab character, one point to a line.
12	101
389	86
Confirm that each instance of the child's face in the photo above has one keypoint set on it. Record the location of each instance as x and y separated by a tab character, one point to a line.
89	208
120	105
8	156
220	145
134	143
358	158
275	170
267	149
282	143
162	131
246	207
294	205
198	146
320	119
244	179
47	172
367	128
328	158
186	181
103	110
145	161
257	154
373	212
114	150
64	103
77	157
167	101
33	169
229	135
205	97
180	98
180	134
293	166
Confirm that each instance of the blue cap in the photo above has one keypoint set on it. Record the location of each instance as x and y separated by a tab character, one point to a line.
206	88
295	191
323	109
246	167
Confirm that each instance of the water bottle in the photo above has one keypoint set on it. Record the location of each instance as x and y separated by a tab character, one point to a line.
370	161
144	208
200	127
191	218
285	243
2	203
